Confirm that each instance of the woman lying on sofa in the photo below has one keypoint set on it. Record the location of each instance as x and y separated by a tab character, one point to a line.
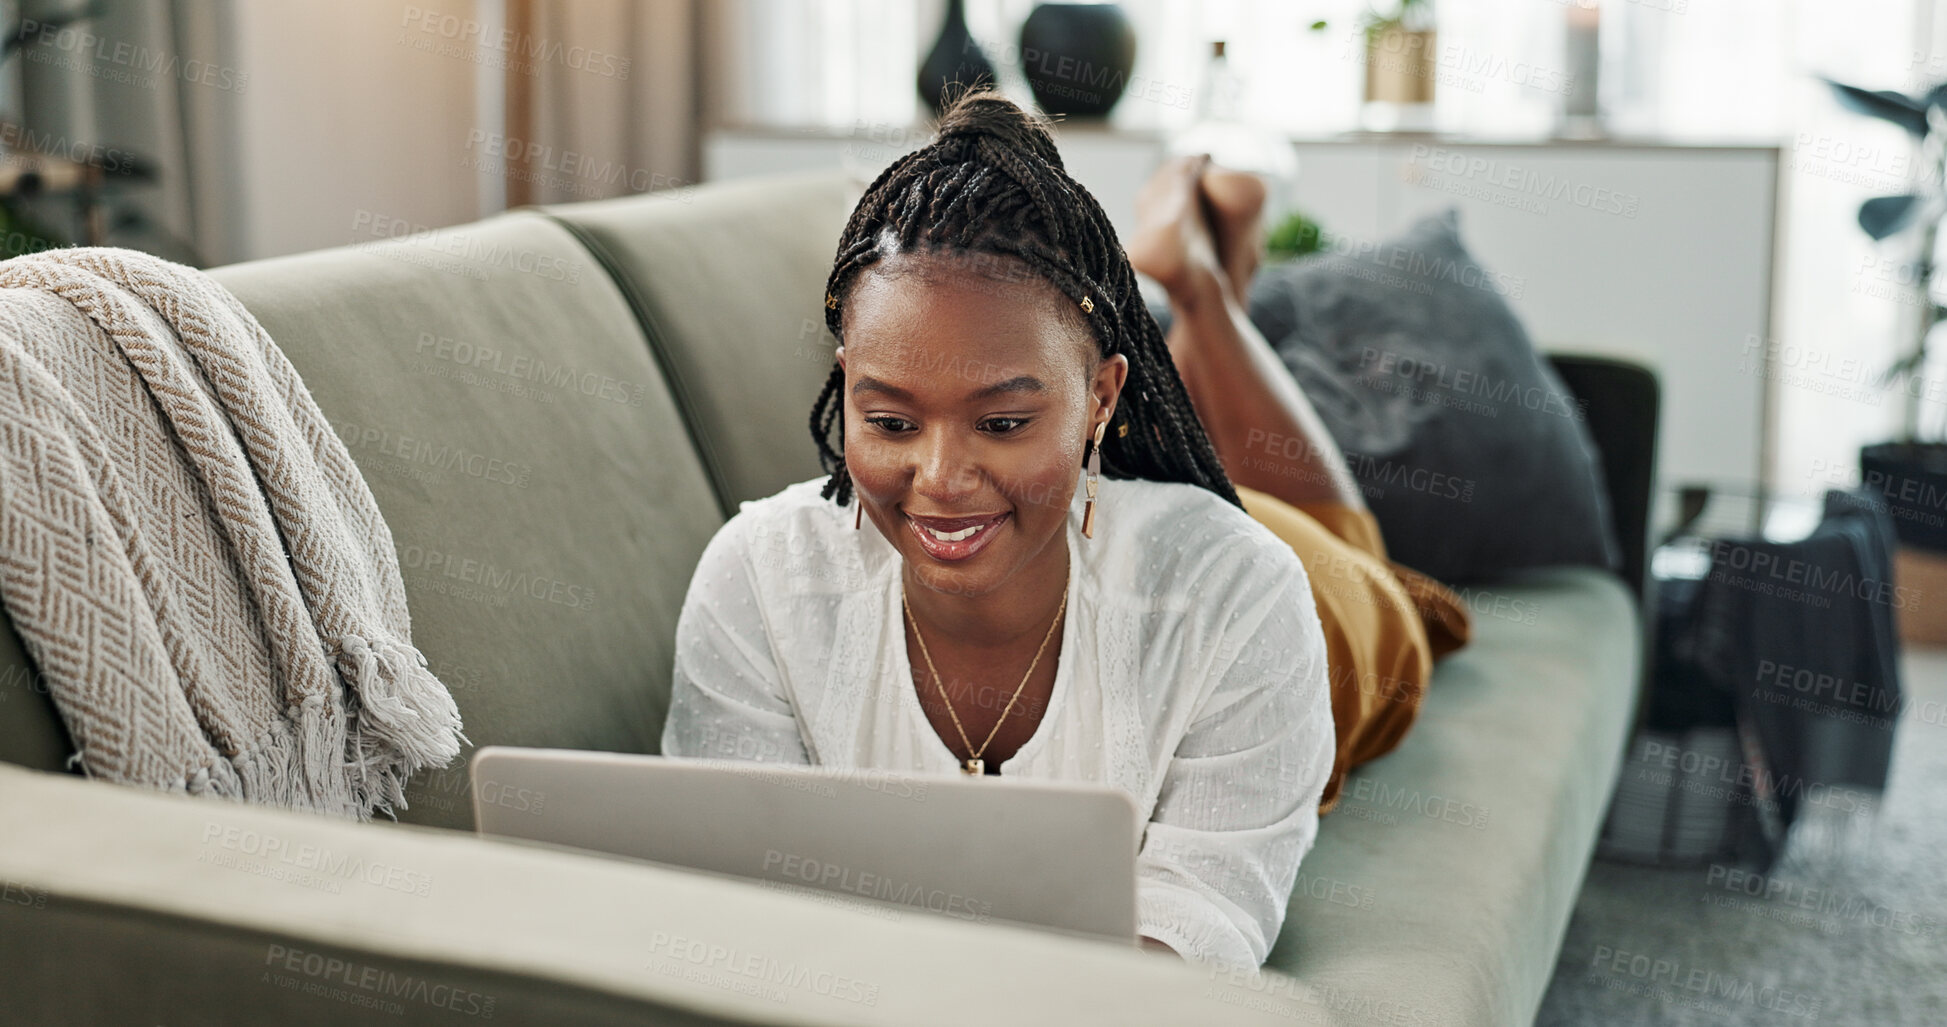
1215	630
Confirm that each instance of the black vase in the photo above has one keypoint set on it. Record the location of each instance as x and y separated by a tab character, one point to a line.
1078	57
955	60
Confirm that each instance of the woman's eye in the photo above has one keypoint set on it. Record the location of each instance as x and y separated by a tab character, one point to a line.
993	425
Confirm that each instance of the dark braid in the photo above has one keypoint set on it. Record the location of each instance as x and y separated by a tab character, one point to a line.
993	182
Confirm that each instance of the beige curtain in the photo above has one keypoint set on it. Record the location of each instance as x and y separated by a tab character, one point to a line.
153	84
607	104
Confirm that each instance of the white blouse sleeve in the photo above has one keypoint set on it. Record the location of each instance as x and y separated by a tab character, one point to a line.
726	698
1239	802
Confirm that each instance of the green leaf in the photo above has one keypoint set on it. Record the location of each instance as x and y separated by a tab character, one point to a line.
1898	108
1295	236
1882	216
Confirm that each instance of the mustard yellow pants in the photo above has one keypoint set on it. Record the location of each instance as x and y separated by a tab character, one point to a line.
1385	624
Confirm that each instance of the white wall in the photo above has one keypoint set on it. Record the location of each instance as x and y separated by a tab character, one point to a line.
1837	324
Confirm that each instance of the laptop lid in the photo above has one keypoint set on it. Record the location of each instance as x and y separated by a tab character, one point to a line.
1058	855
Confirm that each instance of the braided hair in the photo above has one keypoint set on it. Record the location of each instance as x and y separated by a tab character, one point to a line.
993	183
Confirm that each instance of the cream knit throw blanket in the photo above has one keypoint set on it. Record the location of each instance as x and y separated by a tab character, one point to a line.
188	552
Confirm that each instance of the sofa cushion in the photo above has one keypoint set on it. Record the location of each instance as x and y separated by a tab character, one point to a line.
1417	364
1472	452
493	386
1441	885
729	282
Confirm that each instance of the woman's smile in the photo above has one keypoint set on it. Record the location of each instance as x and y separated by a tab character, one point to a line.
971	534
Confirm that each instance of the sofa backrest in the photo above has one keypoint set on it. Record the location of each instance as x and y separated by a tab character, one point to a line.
729	284
495	388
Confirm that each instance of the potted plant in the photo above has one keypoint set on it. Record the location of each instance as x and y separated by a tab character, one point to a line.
1909	471
1400	61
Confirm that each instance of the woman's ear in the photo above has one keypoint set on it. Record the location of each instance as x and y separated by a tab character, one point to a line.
840	354
1109	379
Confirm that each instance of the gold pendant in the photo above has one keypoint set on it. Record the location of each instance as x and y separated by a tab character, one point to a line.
973	767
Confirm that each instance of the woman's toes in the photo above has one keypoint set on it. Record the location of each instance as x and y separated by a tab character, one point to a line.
1236	203
1171	241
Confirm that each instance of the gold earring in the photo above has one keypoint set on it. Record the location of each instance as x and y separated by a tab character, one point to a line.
1094	472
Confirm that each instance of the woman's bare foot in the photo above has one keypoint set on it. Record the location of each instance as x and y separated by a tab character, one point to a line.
1234	203
1172	243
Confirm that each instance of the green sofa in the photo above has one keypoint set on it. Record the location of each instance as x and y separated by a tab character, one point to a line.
556	409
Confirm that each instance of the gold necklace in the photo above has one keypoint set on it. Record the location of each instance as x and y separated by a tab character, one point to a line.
973	765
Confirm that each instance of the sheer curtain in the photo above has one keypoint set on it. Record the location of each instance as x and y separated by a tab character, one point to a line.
156	85
837	64
627	109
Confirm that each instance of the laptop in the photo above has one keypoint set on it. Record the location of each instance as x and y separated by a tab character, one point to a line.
1054	855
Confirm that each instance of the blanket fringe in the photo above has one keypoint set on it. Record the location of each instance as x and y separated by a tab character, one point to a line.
403	720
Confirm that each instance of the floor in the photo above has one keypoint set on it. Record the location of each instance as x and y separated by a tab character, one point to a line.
1851	928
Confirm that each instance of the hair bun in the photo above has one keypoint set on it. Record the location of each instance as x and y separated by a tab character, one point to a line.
983	111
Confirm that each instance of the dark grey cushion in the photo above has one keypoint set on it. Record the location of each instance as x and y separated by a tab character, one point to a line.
1472	452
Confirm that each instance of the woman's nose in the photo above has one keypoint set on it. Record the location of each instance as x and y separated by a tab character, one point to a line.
944	472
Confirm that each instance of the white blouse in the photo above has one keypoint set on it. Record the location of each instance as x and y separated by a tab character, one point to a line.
1191	675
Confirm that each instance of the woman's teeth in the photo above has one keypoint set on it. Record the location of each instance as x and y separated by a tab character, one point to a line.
955	536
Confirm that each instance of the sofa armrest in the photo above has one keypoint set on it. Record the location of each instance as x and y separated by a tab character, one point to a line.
124	906
1622	400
